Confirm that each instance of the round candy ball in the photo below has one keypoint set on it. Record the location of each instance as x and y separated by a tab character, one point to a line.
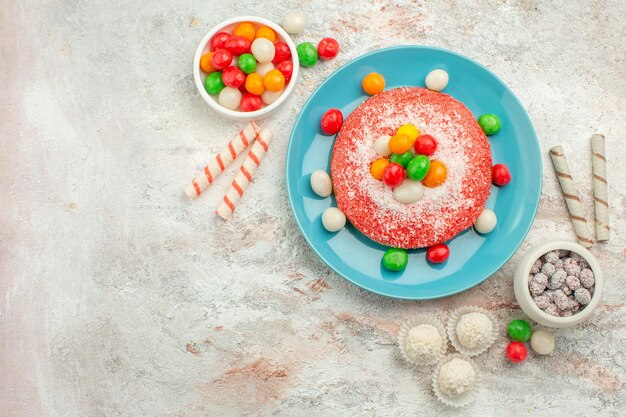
486	221
328	48
286	67
437	80
269	97
221	59
274	80
331	121
438	253
246	63
266	32
237	45
263	50
254	84
409	130
490	124
519	330
542	342
250	102
516	352
373	83
263	69
400	143
437	174
213	83
394	175
321	183
233	77
425	145
245	30
218	41
500	175
294	22
229	98
377	169
395	259
282	53
418	167
408	192
205	63
402	159
307	54
381	146
333	219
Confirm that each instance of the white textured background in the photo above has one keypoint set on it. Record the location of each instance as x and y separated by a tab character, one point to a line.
118	298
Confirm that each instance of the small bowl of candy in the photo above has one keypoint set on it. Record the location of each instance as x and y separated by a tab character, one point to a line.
558	284
246	67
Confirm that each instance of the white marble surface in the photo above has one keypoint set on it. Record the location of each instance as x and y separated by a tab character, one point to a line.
121	299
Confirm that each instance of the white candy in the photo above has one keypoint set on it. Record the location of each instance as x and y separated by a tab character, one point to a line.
333	219
294	22
263	69
269	97
486	222
408	192
263	50
229	97
542	342
437	80
321	183
381	146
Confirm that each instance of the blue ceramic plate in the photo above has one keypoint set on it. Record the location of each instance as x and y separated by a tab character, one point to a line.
473	257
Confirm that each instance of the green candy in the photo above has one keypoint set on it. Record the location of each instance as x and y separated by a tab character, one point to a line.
402	159
418	167
213	83
519	330
246	63
307	54
490	124
395	259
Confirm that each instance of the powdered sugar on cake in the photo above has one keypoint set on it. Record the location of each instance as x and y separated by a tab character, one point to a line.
443	211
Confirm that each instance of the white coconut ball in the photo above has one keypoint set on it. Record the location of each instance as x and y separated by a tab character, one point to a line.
437	80
321	183
486	222
456	377
333	219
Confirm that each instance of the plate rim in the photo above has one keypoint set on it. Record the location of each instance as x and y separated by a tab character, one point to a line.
493	270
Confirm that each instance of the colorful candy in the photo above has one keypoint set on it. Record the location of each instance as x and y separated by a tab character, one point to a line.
221	59
409	130
286	67
516	352
425	145
274	80
328	48
408	192
373	83
294	22
394	175
233	77
402	159
263	50
254	84
246	63
381	146
418	167
213	83
250	102
229	98
205	63
333	219
282	52
438	253
519	330
490	124
400	143
486	221
245	30
542	342
377	169
266	32
321	183
219	40
237	45
437	80
500	175
436	175
331	121
395	259
307	54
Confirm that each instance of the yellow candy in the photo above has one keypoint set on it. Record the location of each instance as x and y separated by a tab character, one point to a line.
411	131
436	175
373	83
377	169
400	144
265	32
246	30
254	84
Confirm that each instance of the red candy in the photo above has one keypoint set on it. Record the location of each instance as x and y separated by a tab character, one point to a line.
437	254
425	145
516	352
500	175
250	102
332	121
328	48
221	59
394	175
219	40
237	45
286	67
233	77
282	52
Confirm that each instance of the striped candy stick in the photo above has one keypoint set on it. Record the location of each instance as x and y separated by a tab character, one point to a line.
572	200
600	194
245	175
219	163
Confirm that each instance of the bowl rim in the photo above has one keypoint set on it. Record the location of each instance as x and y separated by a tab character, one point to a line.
536	252
235	114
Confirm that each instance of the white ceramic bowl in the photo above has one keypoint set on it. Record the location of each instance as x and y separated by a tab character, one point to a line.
522	293
228	26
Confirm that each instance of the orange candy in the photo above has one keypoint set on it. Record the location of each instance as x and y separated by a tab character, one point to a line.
246	30
265	32
205	63
274	80
436	175
373	83
377	169
254	84
400	144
